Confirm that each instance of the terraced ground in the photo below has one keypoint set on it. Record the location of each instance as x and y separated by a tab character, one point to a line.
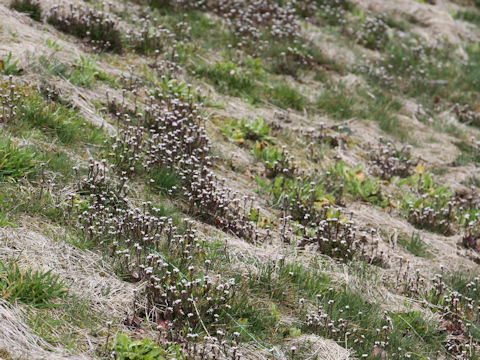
233	179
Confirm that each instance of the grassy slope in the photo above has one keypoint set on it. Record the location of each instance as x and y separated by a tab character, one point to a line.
409	103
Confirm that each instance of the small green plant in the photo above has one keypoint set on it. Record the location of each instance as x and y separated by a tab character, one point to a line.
30	287
126	348
340	178
303	197
53	44
276	162
415	245
245	129
30	7
85	72
4	222
8	67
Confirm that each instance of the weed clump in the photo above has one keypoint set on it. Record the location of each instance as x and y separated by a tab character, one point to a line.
388	161
149	39
373	33
415	245
86	23
248	130
9	67
434	207
22	110
341	179
276	162
175	141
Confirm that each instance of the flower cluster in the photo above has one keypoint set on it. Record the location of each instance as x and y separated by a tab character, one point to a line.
388	161
101	31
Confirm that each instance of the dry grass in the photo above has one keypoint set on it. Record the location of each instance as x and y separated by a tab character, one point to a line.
17	339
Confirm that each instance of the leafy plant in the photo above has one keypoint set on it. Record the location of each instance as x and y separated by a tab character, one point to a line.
53	44
8	67
245	129
276	162
28	286
428	206
340	178
128	349
85	72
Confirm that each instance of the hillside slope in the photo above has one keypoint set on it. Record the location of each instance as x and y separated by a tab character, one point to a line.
215	179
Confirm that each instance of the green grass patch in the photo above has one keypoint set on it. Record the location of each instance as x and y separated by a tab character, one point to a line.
415	245
278	287
17	199
409	331
15	162
36	288
30	7
286	97
58	122
68	323
84	71
382	108
231	79
55	121
163	180
468	154
337	103
377	105
468	15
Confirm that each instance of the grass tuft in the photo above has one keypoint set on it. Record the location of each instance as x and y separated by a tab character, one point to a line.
415	245
28	286
15	162
30	7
